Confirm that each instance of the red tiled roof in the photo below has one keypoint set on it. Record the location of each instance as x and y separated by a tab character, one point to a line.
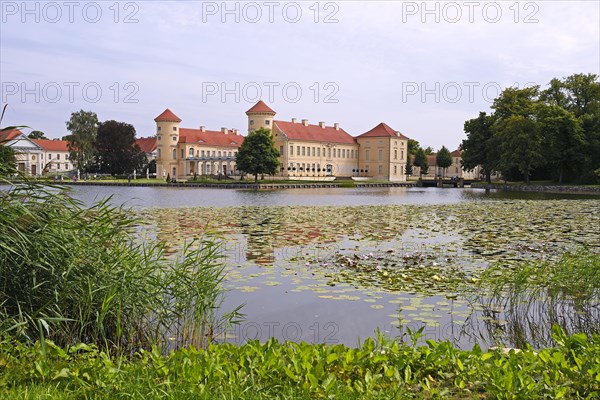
147	145
9	134
209	138
456	153
299	131
261	107
383	130
52	145
167	116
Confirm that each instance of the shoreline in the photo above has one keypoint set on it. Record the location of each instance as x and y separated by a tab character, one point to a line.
559	189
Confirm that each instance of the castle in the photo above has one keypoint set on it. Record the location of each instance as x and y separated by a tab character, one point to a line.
306	150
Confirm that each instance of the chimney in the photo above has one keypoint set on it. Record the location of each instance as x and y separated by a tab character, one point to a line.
305	122
224	130
202	128
336	126
293	120
322	124
235	131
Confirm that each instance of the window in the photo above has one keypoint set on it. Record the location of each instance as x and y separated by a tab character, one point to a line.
191	152
334	153
395	170
174	138
66	166
318	152
291	150
297	150
158	137
57	166
381	169
281	150
251	122
395	154
367	154
174	154
303	150
49	156
158	130
202	153
402	154
329	152
174	129
213	153
182	153
380	154
267	122
229	154
313	151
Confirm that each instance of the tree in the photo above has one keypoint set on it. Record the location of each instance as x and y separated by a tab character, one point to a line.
481	146
421	162
428	150
37	135
518	129
412	147
257	154
443	159
563	139
83	126
521	144
116	148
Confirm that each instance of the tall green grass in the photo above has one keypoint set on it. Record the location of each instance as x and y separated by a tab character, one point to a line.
532	297
76	274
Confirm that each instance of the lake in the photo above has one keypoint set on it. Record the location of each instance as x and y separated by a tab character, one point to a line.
334	265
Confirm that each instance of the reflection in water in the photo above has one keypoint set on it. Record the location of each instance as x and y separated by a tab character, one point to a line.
390	259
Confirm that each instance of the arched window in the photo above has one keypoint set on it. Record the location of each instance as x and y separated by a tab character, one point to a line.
191	152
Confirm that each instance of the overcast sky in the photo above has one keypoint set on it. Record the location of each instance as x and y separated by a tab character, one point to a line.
423	68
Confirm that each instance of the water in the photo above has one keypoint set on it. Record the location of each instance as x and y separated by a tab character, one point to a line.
200	197
285	253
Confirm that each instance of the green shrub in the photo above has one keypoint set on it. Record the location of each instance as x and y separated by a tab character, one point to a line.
76	274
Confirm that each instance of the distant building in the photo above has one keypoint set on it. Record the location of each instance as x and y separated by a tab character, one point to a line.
454	170
306	150
148	147
36	157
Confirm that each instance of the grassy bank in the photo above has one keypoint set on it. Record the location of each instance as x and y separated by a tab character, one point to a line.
379	369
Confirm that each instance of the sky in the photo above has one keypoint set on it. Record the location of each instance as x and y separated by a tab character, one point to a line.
424	68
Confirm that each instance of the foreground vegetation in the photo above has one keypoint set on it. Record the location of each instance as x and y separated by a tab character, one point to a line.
379	369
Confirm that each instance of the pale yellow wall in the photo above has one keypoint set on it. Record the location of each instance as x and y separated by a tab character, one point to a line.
304	153
379	156
167	138
260	120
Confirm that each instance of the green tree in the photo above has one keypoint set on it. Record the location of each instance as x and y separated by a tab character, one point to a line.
518	129
481	146
116	148
521	144
443	159
428	150
563	139
37	135
83	126
412	147
257	154
421	162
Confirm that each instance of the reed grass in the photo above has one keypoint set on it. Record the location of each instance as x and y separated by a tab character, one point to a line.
76	274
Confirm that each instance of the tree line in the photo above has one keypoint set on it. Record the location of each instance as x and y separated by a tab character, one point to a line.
532	133
104	147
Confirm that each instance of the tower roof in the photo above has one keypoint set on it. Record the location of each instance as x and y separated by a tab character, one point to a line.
383	130
260	107
167	116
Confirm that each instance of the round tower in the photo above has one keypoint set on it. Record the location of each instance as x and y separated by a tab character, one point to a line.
260	116
167	139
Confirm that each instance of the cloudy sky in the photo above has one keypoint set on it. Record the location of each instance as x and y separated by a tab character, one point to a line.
421	67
